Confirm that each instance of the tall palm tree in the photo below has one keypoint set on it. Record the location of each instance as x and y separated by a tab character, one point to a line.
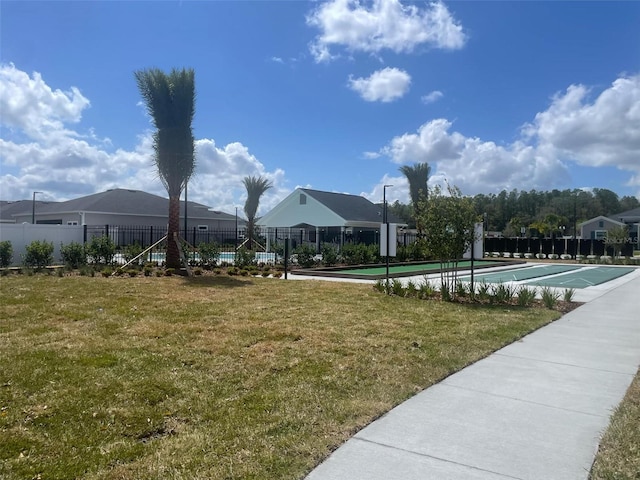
170	101
255	186
418	178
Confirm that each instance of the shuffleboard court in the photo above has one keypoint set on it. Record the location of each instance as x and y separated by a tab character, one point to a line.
520	274
395	270
585	277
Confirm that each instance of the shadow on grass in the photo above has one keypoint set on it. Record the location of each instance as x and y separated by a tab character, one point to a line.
219	281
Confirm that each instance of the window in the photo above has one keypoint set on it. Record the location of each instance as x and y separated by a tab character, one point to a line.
203	228
601	224
600	234
72	222
303	199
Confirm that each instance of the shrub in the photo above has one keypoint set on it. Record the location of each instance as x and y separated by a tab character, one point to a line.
484	291
397	288
525	296
427	289
132	251
445	294
106	272
6	253
39	254
329	255
550	298
411	290
244	258
169	271
503	293
209	253
359	254
101	250
568	294
277	274
132	272
147	271
73	255
305	254
197	272
379	285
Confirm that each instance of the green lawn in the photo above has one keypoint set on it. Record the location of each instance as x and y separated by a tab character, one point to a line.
215	377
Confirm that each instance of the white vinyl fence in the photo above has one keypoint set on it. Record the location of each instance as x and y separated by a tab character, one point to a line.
21	235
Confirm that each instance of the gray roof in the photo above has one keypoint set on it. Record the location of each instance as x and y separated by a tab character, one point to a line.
127	202
9	208
629	215
353	208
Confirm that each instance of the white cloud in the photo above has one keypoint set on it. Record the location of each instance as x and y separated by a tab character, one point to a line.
382	24
602	132
29	104
432	97
384	85
42	153
605	132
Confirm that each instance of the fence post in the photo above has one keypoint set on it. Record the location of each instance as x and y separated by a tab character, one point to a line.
84	233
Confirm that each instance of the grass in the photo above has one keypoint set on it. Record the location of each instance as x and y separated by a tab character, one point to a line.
215	377
618	456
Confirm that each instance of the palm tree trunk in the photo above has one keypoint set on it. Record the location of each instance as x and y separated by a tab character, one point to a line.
173	254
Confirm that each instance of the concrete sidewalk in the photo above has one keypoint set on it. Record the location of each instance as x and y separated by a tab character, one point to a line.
535	409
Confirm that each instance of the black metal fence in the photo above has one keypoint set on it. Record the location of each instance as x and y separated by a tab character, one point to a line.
145	236
559	246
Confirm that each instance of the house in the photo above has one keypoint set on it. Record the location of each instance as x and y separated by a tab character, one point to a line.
596	228
120	211
9	208
314	216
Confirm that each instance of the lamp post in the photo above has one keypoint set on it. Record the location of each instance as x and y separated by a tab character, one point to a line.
386	222
33	208
236	229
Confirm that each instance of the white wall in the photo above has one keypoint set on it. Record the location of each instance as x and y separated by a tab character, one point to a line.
21	235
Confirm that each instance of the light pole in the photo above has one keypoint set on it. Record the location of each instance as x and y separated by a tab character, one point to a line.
236	229
33	208
386	222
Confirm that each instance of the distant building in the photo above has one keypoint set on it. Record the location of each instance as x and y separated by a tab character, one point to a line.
314	216
596	228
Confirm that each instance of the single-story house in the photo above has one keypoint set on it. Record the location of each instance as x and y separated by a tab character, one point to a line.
9	208
314	216
596	228
124	211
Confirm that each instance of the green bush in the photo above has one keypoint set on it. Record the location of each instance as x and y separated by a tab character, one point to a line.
329	255
397	288
101	250
568	294
132	251
209	253
550	298
305	254
525	296
359	254
6	253
244	258
73	255
503	293
38	254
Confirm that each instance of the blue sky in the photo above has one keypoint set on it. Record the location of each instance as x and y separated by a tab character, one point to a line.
331	95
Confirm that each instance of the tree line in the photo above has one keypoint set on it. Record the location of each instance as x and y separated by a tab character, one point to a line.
546	212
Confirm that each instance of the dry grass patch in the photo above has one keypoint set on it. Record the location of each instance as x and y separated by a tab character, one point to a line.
216	377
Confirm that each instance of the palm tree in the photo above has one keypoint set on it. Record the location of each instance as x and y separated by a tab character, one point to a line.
170	101
255	186
418	178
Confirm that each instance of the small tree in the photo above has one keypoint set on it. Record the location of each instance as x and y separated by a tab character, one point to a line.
6	253
39	254
255	187
449	231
